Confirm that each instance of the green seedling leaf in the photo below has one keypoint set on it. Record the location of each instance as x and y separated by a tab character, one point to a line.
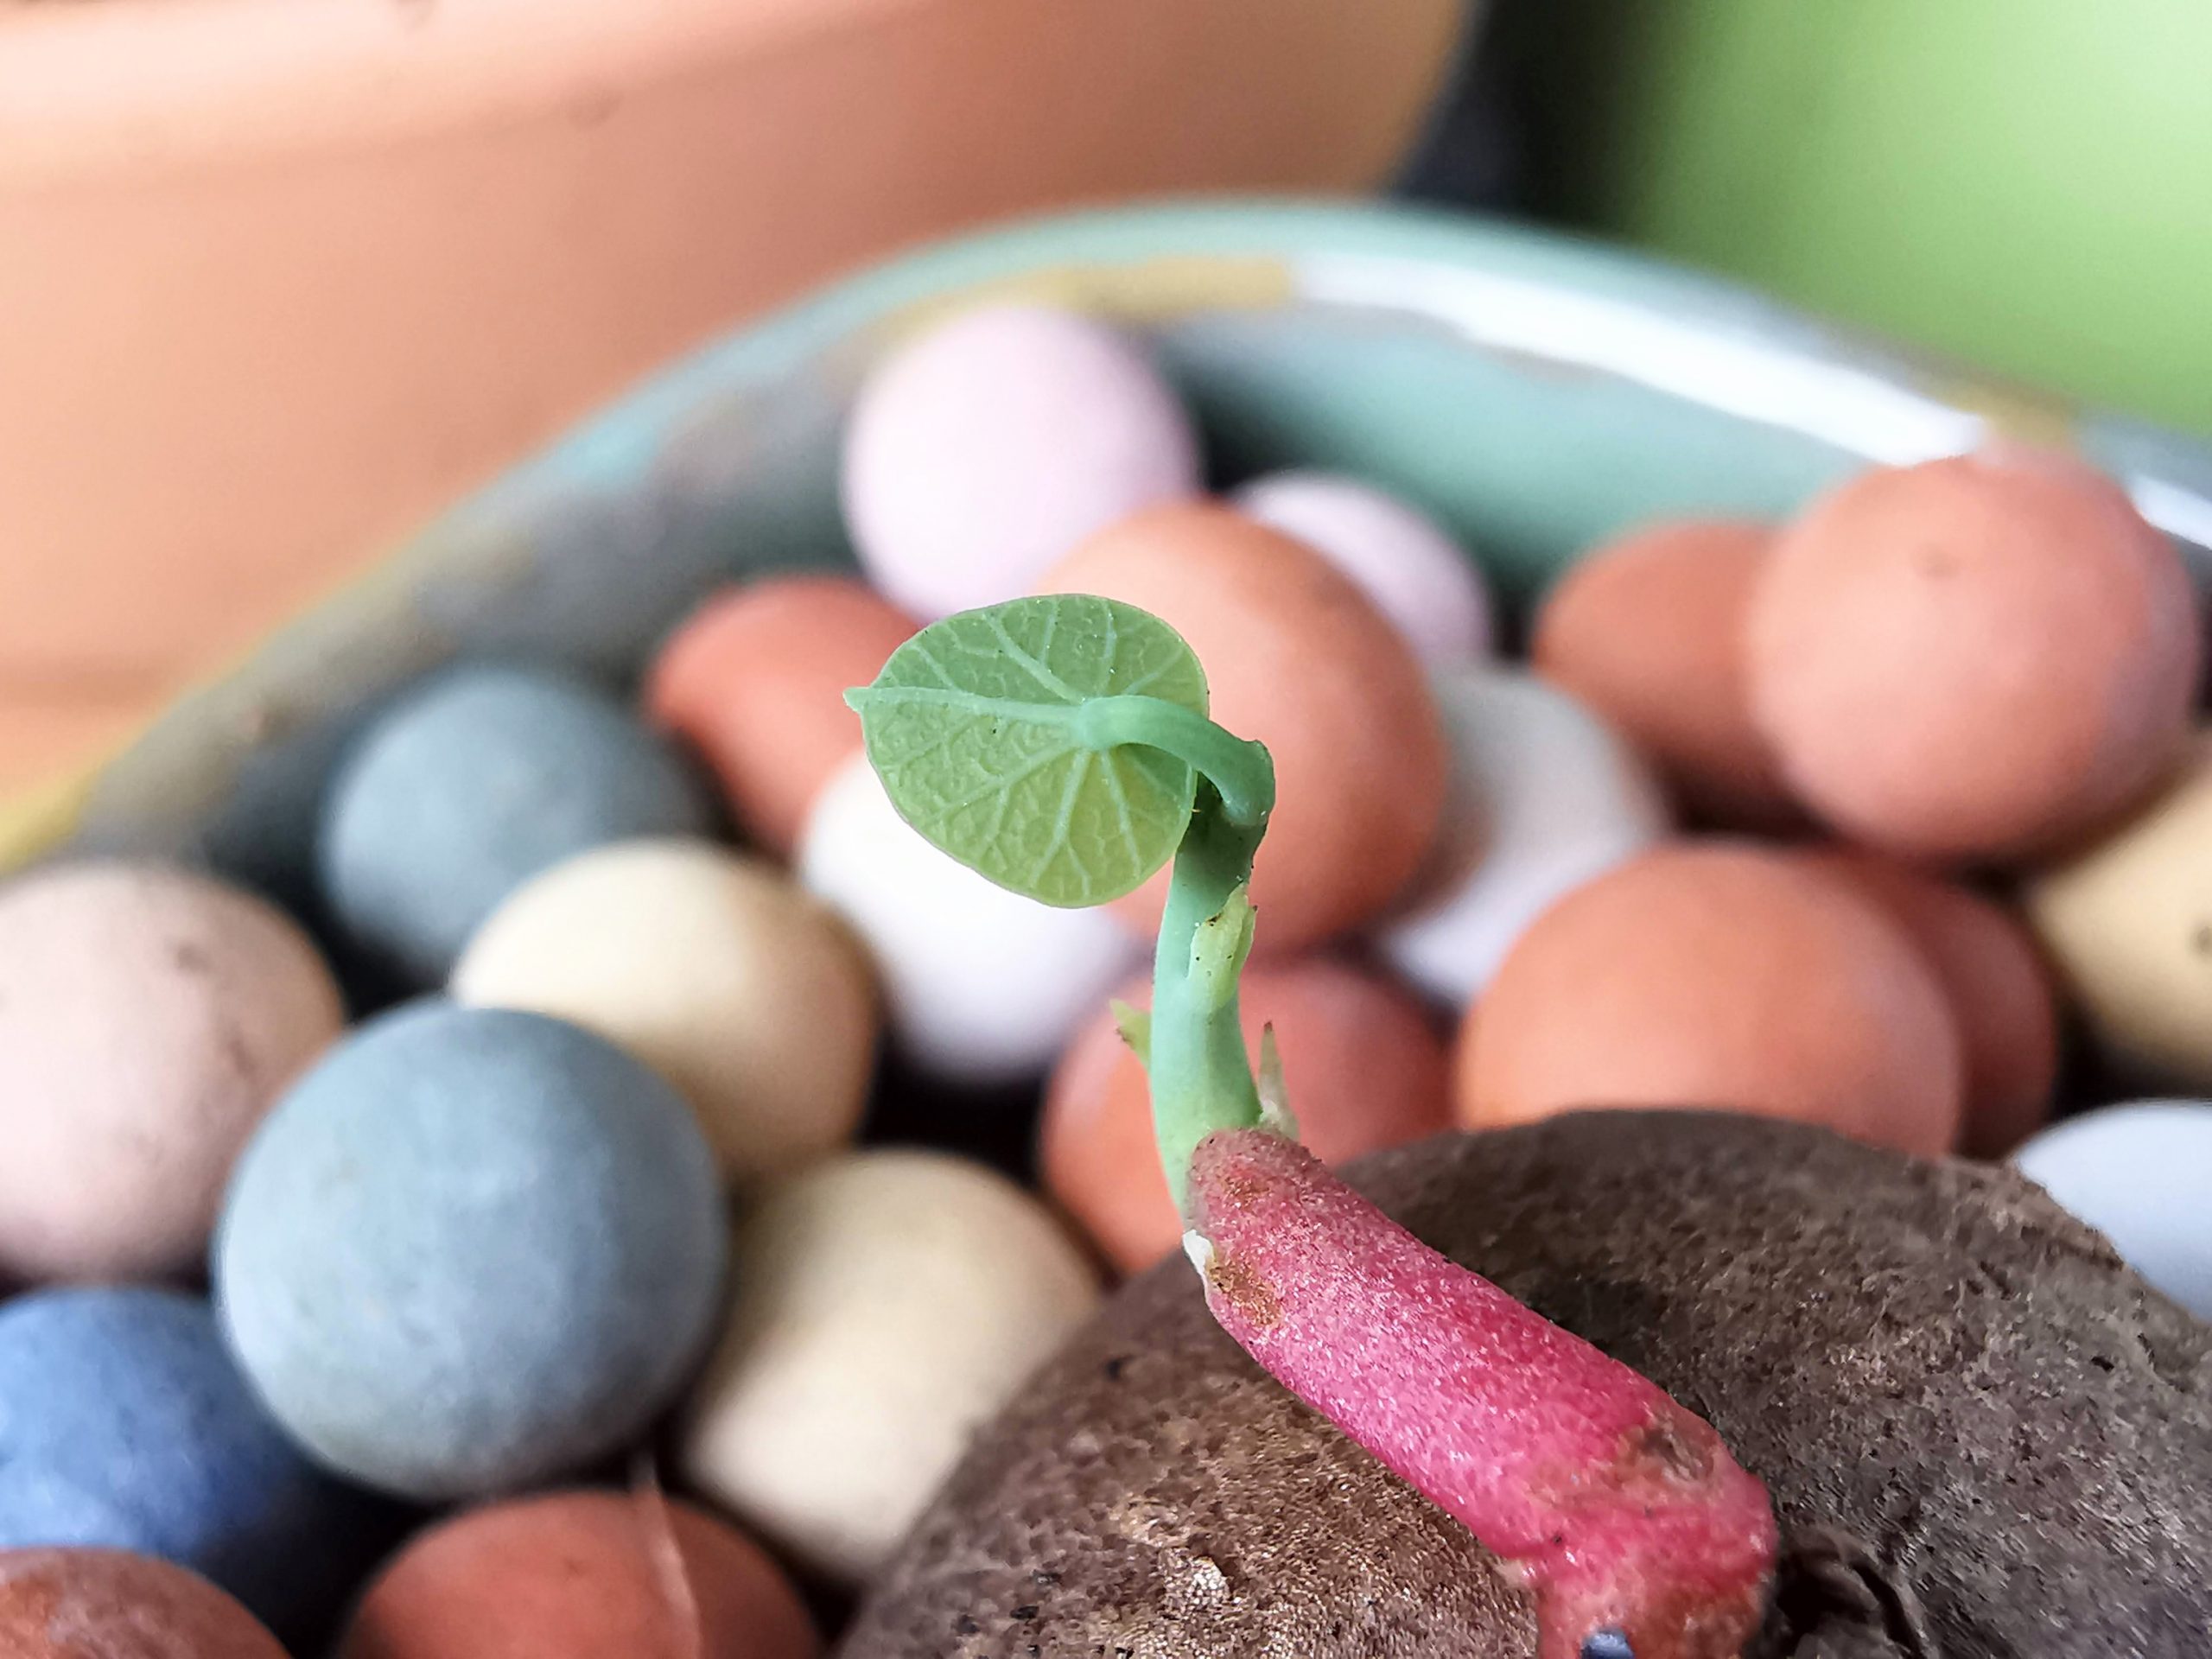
972	725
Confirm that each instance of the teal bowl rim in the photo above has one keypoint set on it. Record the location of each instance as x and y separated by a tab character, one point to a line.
1515	291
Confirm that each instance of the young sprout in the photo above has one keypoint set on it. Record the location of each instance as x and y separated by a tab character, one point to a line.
1060	746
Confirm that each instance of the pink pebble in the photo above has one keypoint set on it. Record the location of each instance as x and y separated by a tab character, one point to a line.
980	453
1405	563
149	1017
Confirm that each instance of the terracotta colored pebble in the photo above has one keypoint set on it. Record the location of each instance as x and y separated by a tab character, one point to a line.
581	1575
1649	632
1364	1068
108	1604
1982	658
1296	657
2000	991
1720	975
755	682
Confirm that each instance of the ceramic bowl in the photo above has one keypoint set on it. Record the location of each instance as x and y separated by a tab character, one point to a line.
1537	394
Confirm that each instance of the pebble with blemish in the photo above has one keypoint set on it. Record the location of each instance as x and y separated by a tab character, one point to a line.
149	1017
1975	660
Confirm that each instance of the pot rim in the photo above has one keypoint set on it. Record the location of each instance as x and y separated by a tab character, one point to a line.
113	86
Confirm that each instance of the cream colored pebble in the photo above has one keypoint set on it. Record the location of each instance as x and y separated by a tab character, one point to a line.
712	968
2129	925
886	1304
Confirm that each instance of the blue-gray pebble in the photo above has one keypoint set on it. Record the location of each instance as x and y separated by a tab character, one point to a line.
125	1424
471	1250
470	784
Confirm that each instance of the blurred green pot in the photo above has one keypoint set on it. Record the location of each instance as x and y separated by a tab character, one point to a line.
2026	184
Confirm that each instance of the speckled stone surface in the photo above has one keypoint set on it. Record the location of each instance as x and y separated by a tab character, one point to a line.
473	1250
469	784
1986	1437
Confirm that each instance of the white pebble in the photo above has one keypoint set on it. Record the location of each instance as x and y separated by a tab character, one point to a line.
715	969
979	985
886	1304
979	453
2140	1174
1545	797
1406	564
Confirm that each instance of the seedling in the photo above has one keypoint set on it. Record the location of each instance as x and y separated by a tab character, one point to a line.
1060	746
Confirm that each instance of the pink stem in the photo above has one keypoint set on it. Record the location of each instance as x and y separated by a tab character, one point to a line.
1621	1512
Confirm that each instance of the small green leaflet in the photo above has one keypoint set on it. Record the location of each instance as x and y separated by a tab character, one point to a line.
971	727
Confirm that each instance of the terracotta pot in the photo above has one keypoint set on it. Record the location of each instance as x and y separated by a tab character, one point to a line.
278	277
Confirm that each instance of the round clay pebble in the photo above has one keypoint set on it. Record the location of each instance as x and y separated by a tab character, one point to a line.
979	985
147	1019
1296	657
1649	632
887	1303
470	784
756	681
1717	975
472	1249
2138	1174
1544	797
1363	1066
989	447
2129	925
2000	992
125	1424
1973	658
106	1603
580	1575
1403	561
715	969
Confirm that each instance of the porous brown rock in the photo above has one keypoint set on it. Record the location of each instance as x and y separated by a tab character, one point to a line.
1986	1437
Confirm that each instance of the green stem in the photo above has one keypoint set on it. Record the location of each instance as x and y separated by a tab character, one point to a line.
1241	772
1200	1074
1201	1077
